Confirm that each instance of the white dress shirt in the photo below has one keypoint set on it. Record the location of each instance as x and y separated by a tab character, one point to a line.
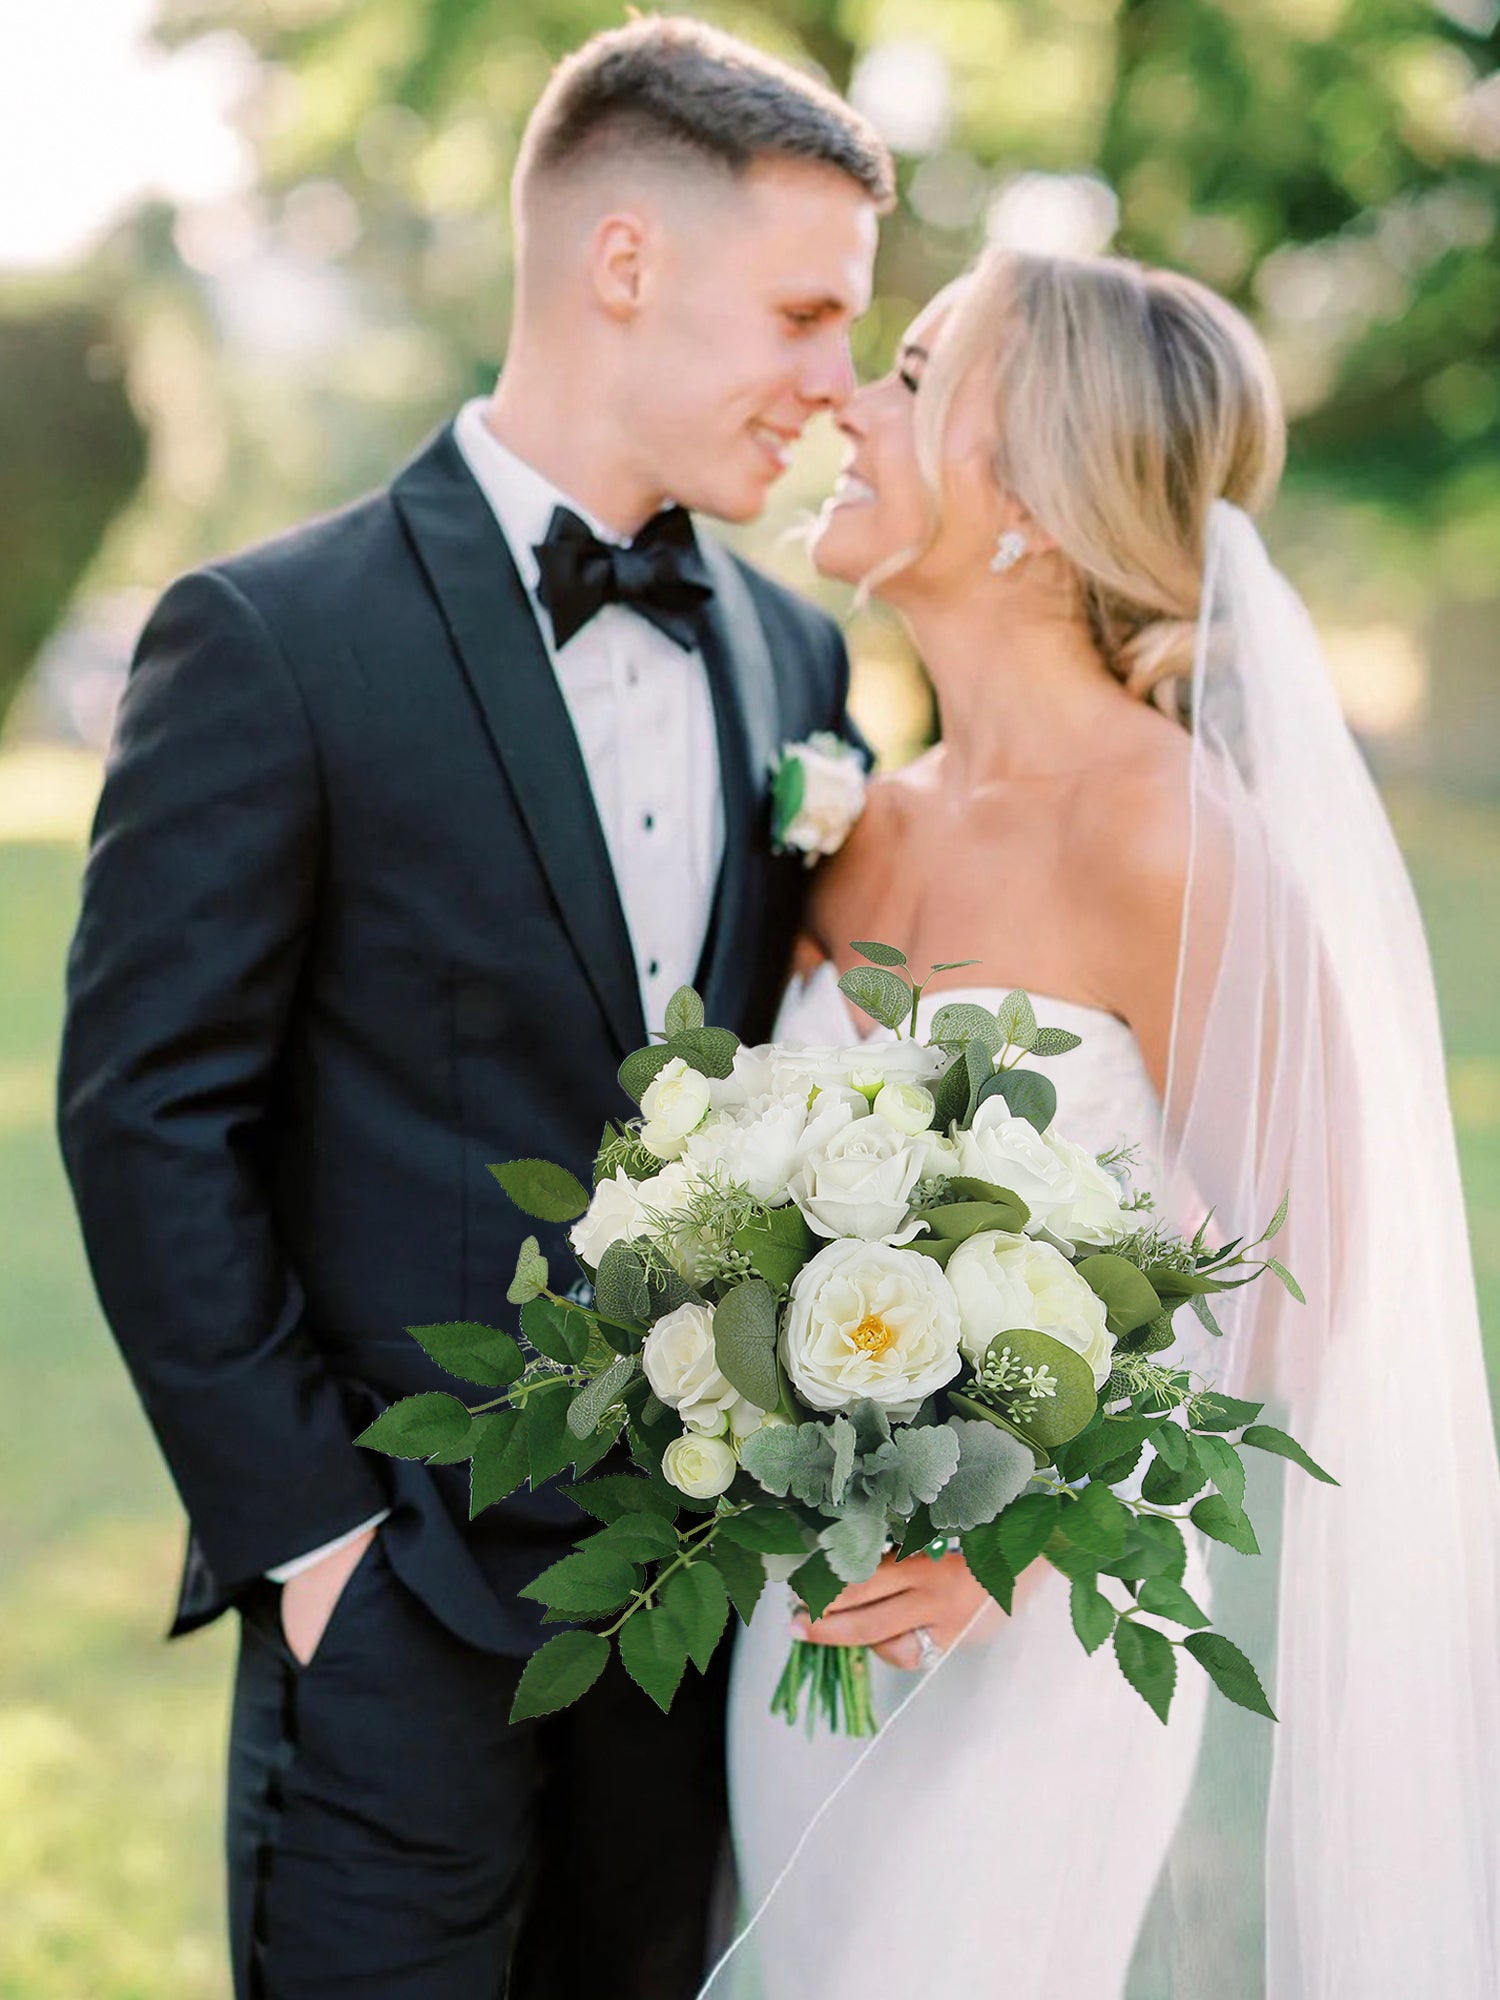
644	718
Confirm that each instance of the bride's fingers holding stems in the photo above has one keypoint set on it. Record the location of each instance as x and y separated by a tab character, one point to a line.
887	1610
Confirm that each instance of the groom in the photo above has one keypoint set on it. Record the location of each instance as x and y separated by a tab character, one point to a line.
414	820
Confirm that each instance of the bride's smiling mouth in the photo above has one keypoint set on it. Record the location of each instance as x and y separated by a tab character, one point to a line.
852	490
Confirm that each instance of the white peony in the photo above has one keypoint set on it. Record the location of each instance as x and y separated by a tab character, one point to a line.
1094	1216
674	1103
1014	1155
701	1467
860	1183
1004	1282
833	794
869	1320
613	1214
679	1363
771	1069
755	1146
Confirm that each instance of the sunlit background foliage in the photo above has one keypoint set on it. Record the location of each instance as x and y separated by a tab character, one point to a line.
205	371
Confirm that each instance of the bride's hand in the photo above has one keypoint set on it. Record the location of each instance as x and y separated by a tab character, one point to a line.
886	1610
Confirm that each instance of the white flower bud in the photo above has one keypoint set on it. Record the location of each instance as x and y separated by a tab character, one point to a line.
702	1467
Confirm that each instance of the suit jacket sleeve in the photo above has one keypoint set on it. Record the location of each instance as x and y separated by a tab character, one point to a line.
198	901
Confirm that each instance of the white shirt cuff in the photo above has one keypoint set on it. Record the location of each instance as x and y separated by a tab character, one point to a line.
284	1572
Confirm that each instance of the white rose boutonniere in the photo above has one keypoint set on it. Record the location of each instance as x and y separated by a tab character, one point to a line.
817	793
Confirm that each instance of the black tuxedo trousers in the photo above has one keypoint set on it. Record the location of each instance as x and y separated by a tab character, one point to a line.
349	933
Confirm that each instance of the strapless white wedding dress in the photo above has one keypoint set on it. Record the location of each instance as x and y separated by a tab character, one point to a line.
951	1866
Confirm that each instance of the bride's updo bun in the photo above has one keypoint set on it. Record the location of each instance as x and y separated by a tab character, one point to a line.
1127	400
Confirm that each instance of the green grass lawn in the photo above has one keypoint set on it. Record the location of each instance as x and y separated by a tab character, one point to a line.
111	1742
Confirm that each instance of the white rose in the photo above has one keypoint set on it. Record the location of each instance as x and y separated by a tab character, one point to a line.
860	1183
661	1199
701	1467
774	1068
1094	1216
1014	1155
756	1146
868	1320
1004	1282
612	1215
833	794
678	1359
906	1106
673	1104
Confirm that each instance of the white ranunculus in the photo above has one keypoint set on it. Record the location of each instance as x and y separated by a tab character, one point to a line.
678	1360
755	1146
701	1467
870	1320
1004	1282
907	1106
1094	1216
674	1103
833	794
612	1215
860	1183
1014	1155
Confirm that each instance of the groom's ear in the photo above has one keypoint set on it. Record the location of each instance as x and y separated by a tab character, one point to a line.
619	262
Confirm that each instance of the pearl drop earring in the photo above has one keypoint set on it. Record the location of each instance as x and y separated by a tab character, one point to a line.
1008	551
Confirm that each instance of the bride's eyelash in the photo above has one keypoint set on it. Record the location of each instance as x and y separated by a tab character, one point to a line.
908	379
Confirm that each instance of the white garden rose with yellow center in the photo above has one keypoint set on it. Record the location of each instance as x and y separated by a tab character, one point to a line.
870	1320
1095	1215
673	1104
679	1363
1012	1154
701	1467
1004	1282
860	1183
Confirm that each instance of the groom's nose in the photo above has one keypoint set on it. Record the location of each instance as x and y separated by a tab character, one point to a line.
827	380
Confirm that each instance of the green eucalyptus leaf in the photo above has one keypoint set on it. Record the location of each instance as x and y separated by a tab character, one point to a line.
960	1022
417	1426
1055	1042
587	1409
950	1094
1229	1670
1017	1020
531	1273
1130	1299
1265	1437
640	1070
881	995
959	1220
556	1675
620	1289
710	1051
1028	1094
1056	1418
542	1189
684	1012
1148	1660
880	954
745	1342
1280	1270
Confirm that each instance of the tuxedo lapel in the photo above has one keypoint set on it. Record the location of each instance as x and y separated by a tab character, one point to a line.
743	683
489	616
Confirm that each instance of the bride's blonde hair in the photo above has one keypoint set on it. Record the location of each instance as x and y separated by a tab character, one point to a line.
1127	400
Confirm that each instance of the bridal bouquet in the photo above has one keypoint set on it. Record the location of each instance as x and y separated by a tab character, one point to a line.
841	1302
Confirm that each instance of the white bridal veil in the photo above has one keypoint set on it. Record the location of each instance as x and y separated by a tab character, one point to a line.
1350	1851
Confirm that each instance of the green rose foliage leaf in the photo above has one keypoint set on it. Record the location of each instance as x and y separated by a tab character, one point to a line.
1215	1517
1153	1547
417	1426
1093	1614
1229	1670
1148	1660
1097	1523
1017	1020
639	1538
474	1353
853	1542
919	1532
983	1554
961	1022
588	1451
499	1462
584	1585
959	1220
966	1187
549	1441
1110	1439
993	1470
1214	1412
615	1494
565	1668
542	1189
531	1273
653	1654
1170	1441
1224	1467
777	1246
697	1603
462	1448
880	994
620	1290
1129	1297
745	1342
586	1410
640	1070
979	1071
1265	1437
915	1466
744	1575
560	1332
950	1094
1055	1042
1028	1094
684	1012
1163	1487
1165	1599
769	1531
795	1459
816	1583
788	789
880	954
1025	1528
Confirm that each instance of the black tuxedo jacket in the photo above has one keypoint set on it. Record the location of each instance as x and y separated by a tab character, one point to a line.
350	932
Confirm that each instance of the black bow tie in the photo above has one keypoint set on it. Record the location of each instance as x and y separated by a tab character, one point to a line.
661	574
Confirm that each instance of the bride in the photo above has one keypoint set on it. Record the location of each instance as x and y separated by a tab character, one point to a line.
1144	809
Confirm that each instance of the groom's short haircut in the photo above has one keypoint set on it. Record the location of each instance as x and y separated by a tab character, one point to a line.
674	92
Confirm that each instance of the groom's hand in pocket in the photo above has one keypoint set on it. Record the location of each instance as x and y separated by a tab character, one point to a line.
308	1599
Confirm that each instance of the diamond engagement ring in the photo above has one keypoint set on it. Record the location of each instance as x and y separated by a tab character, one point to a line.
929	1652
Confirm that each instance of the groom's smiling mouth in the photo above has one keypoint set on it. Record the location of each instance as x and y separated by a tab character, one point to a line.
776	445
